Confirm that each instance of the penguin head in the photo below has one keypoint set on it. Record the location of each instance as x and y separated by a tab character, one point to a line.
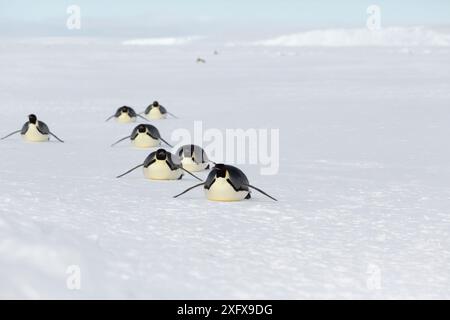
161	154
221	170
155	104
32	118
124	109
194	152
142	128
186	152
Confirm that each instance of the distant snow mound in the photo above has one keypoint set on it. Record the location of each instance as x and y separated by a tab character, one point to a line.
386	37
168	41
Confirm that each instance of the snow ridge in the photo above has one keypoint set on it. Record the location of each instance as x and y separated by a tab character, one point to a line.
386	37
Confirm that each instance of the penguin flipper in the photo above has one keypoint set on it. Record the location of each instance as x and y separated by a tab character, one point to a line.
190	173
189	189
11	134
118	141
249	196
259	190
233	186
162	109
110	118
165	142
138	115
43	128
25	128
129	171
172	115
54	136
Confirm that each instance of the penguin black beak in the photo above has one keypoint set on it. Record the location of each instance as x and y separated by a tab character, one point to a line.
124	109
142	129
156	104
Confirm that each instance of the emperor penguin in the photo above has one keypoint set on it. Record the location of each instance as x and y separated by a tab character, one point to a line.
144	136
155	111
162	165
125	115
226	183
193	158
35	131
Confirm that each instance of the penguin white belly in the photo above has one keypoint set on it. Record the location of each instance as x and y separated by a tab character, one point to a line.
34	135
221	190
161	171
155	114
145	141
191	166
125	118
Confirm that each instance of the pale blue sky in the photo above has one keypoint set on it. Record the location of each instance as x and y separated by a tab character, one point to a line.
183	17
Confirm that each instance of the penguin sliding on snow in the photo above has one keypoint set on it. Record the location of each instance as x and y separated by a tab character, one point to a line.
125	115
162	165
155	111
226	183
144	136
193	158
35	131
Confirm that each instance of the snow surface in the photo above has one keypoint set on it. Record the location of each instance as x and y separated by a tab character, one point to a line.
363	184
385	37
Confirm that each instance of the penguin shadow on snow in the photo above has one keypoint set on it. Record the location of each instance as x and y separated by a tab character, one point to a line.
35	130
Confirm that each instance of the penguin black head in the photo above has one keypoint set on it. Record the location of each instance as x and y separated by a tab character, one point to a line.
142	128
186	151
156	104
124	109
161	154
32	118
221	170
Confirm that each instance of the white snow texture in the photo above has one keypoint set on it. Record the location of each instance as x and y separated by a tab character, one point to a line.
385	37
363	186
